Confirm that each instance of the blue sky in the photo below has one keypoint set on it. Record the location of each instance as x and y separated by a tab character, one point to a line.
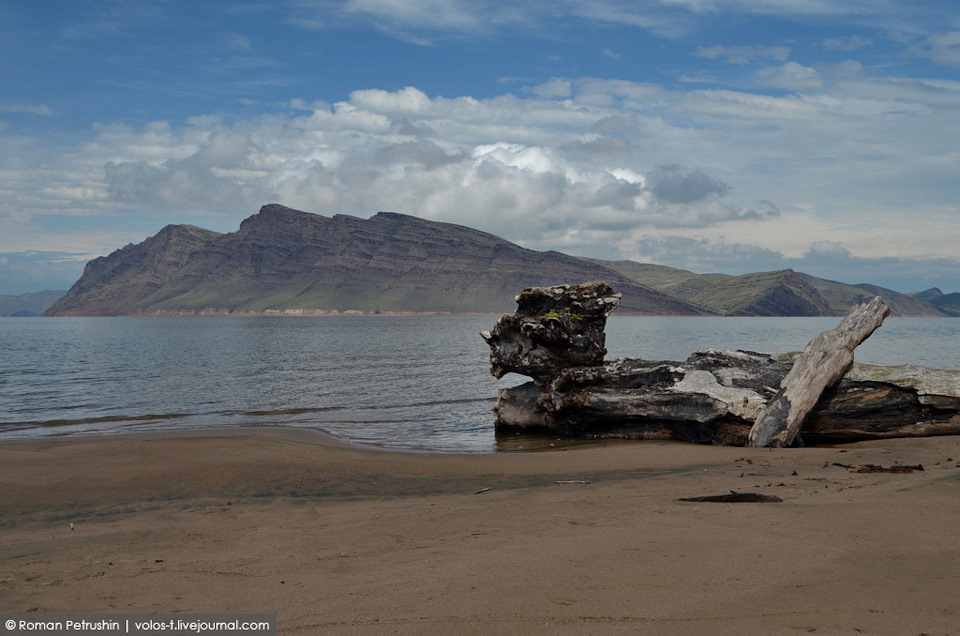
713	135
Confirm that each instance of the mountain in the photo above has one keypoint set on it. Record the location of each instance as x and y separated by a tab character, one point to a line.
843	297
780	293
900	304
949	303
33	304
287	260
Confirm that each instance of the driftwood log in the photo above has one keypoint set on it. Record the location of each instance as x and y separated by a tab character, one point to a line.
556	337
826	359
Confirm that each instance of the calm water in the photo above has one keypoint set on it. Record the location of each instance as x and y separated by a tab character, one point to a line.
408	382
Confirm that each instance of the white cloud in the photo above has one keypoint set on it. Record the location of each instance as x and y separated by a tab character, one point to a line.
942	48
852	43
765	6
555	88
33	109
827	251
407	101
744	54
792	76
426	22
536	160
422	14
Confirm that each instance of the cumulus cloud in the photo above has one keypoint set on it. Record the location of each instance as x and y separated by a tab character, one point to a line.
421	152
598	145
527	168
215	174
677	184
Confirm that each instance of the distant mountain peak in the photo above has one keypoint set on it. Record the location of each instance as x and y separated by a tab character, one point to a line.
929	294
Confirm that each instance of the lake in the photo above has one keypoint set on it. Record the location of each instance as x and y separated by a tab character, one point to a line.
412	382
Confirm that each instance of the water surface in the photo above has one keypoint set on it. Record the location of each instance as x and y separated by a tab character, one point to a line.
396	381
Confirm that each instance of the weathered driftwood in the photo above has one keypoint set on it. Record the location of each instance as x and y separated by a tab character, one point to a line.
712	397
825	360
553	328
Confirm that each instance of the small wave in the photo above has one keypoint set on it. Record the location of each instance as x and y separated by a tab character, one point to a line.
402	405
106	419
293	411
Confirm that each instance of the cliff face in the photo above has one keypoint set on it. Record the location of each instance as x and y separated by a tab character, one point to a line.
136	275
284	259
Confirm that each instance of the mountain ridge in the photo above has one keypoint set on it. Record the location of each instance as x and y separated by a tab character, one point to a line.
283	260
286	260
777	293
949	303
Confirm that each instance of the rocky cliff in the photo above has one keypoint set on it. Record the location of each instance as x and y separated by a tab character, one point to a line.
285	260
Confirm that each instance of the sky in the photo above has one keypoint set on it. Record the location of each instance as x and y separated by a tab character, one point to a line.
727	136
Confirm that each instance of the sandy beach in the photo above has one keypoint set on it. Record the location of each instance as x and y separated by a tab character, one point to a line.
337	539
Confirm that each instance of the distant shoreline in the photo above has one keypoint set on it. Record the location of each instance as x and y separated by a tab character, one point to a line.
294	313
280	313
306	312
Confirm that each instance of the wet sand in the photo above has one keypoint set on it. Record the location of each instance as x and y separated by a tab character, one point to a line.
337	539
